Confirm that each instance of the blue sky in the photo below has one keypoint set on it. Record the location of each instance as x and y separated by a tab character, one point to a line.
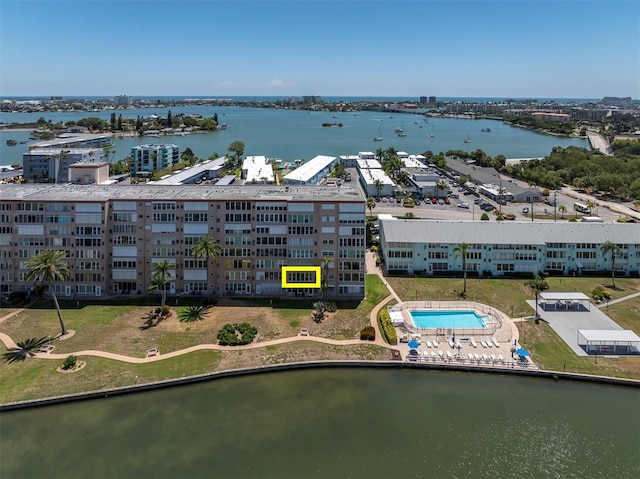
508	48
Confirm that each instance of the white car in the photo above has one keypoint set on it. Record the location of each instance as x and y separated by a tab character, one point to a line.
463	205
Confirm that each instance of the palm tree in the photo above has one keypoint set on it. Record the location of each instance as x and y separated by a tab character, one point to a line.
371	204
442	186
192	314
462	250
324	282
24	349
562	209
378	186
45	268
379	153
538	284
208	249
614	249
591	205
161	277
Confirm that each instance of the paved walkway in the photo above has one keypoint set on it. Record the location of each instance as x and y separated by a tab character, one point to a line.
619	300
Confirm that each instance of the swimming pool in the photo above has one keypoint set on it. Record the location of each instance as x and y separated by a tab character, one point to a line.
458	319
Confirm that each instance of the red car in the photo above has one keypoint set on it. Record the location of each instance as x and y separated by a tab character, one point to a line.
446	201
434	200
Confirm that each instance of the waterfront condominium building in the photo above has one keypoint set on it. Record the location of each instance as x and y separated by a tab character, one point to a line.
146	159
51	165
113	235
506	248
123	100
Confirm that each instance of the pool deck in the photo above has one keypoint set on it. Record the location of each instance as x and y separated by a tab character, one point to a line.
503	329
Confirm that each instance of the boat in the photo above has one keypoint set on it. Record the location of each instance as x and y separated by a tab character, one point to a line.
486	130
11	142
402	134
379	137
431	135
467	140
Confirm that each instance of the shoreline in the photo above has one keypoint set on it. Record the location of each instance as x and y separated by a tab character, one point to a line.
175	382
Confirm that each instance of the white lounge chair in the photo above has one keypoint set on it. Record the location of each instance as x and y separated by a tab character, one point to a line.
441	354
449	356
485	357
484	344
473	343
425	354
489	344
501	358
435	343
452	344
493	358
458	345
428	344
477	356
433	355
495	342
470	357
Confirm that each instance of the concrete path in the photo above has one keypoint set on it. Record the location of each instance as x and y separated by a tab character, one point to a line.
619	300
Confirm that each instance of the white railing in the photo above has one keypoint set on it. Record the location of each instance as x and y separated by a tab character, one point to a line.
474	362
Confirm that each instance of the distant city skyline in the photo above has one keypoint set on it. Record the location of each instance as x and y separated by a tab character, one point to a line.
493	48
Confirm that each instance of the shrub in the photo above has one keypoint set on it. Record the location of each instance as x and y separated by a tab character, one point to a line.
69	362
331	307
573	220
387	328
368	333
165	310
236	334
484	217
601	293
499	218
192	314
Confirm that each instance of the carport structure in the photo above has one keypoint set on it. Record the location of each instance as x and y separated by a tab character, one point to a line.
609	341
564	301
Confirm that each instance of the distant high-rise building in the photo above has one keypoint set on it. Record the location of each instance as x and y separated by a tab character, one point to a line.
423	100
432	99
123	100
311	99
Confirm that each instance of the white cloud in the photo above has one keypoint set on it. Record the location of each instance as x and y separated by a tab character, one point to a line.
227	83
278	83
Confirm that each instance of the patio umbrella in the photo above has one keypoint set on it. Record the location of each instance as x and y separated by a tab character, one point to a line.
522	352
413	344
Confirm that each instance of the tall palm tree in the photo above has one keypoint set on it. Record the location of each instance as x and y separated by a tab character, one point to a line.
462	250
378	186
614	249
562	209
379	153
324	282
538	284
208	249
47	267
371	204
442	186
161	278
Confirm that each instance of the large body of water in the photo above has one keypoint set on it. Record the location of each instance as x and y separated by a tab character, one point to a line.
294	134
328	423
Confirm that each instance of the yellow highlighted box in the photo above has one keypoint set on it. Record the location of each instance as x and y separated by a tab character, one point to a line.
301	269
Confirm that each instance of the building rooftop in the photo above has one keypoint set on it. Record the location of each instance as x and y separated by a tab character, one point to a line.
506	232
68	138
188	173
149	192
257	169
310	169
368	164
369	176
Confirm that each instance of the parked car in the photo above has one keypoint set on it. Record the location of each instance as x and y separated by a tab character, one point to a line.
525	211
447	201
477	201
467	193
463	205
384	199
510	217
398	200
488	207
434	200
441	201
417	202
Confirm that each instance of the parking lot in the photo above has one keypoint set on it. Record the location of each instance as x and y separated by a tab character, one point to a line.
465	205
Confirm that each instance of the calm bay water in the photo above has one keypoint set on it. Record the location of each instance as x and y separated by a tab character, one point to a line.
292	134
336	423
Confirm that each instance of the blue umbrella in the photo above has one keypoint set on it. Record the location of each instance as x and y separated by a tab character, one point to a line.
522	352
413	344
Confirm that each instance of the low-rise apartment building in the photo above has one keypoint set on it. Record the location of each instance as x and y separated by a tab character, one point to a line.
507	248
113	235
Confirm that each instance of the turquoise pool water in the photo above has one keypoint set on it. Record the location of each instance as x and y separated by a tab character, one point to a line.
448	319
